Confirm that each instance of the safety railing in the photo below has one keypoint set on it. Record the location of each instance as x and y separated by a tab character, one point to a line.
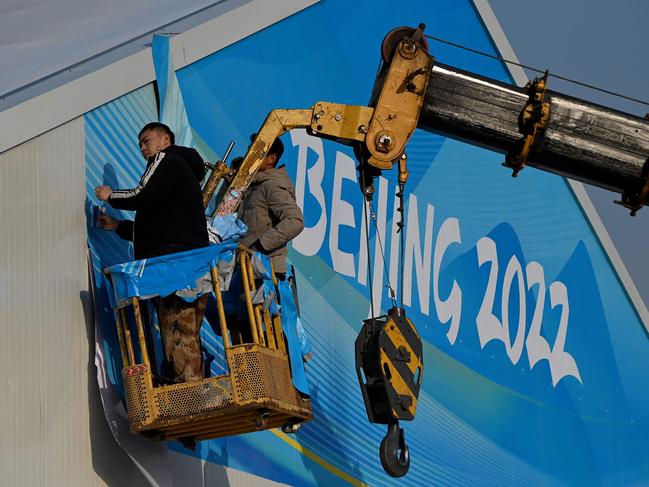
256	393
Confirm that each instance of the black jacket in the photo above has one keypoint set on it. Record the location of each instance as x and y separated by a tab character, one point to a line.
168	205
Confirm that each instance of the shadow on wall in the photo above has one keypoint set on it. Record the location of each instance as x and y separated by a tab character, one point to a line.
110	462
188	470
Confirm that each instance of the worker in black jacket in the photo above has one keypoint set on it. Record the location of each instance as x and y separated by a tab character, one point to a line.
168	201
169	217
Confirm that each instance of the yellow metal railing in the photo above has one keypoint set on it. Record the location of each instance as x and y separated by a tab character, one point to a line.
256	393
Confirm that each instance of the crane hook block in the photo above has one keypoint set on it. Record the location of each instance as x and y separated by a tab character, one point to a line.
390	367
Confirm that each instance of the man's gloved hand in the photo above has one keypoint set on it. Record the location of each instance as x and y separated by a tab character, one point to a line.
107	222
252	243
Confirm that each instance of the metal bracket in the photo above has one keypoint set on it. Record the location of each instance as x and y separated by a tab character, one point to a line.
402	95
635	200
343	123
532	122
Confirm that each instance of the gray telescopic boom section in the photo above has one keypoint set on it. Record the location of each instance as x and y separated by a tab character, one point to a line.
583	141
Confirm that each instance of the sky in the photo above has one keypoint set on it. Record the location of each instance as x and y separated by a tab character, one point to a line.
600	42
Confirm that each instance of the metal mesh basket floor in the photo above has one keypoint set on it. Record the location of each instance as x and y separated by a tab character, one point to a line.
258	394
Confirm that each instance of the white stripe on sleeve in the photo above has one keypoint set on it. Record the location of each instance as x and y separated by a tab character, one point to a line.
130	193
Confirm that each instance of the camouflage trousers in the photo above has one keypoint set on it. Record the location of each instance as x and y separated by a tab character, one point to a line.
180	326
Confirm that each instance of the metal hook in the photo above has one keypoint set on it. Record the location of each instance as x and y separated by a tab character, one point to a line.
394	453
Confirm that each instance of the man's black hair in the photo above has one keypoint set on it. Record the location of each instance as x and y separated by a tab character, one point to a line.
277	148
159	127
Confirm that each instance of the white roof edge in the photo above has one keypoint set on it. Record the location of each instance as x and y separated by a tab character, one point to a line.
37	115
518	74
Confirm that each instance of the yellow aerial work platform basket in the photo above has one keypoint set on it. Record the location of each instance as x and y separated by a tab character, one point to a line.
257	394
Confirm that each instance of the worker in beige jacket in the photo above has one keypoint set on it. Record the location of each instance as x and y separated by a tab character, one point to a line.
270	211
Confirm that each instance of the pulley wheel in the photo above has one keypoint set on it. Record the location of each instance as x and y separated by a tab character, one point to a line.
393	38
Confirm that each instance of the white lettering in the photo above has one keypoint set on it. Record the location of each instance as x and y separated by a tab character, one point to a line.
310	240
537	346
451	307
561	362
489	327
342	213
420	256
513	269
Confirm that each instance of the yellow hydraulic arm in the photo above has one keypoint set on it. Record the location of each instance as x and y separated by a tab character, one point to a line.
381	132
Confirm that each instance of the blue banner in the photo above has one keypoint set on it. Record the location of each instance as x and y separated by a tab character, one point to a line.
534	355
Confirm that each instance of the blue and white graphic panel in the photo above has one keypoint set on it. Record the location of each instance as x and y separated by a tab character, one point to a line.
534	355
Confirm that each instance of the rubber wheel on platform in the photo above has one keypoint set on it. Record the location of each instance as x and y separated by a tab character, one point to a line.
291	428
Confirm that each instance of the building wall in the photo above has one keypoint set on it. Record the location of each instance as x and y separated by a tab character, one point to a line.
52	426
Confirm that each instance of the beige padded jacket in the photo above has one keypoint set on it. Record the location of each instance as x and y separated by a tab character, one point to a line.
271	214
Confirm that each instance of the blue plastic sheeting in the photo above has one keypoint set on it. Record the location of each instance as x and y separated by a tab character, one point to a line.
225	227
295	347
267	296
164	275
289	317
173	273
